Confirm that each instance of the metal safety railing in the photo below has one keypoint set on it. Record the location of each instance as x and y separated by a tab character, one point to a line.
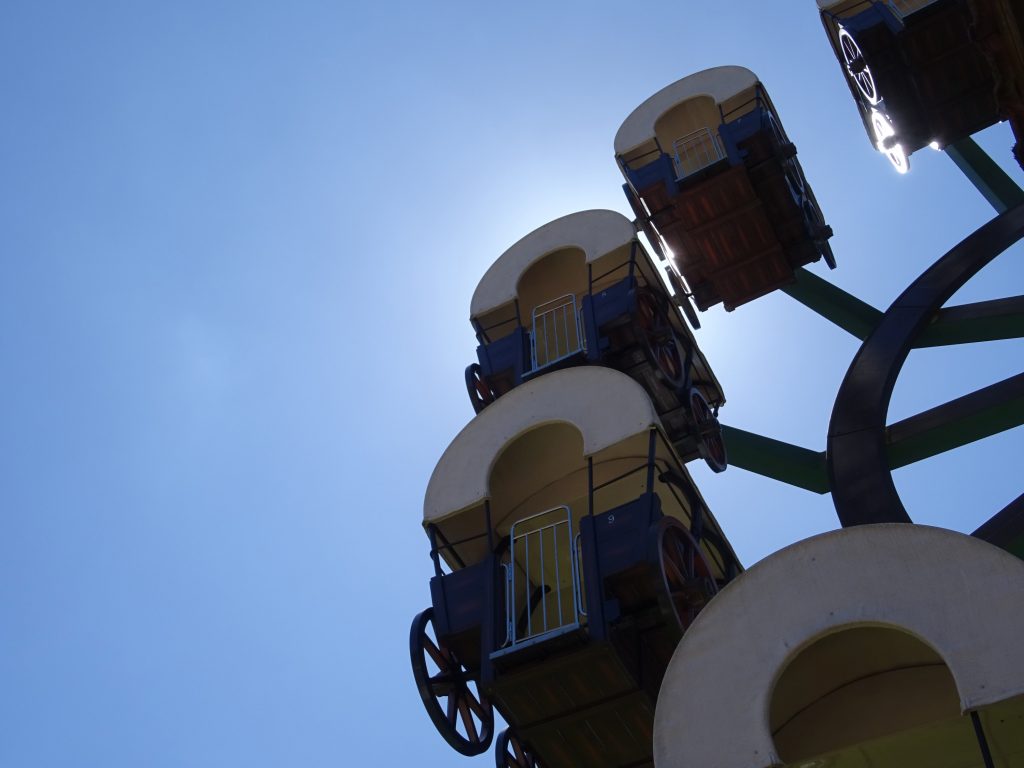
696	150
557	332
542	576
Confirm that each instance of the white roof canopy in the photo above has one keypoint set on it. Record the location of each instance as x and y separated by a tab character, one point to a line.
720	83
595	232
957	594
606	406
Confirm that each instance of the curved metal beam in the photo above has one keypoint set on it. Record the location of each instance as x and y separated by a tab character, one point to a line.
856	453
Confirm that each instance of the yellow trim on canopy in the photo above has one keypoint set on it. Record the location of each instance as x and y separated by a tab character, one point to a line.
595	232
604	405
720	83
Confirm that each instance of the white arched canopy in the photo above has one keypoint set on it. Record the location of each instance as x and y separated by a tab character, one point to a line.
719	83
595	232
954	599
604	405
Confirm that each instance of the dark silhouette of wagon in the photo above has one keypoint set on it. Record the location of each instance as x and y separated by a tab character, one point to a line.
915	70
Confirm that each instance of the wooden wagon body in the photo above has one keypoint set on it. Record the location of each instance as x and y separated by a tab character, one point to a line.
571	550
712	177
583	290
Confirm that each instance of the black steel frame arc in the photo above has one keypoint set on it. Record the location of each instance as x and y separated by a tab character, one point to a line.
857	460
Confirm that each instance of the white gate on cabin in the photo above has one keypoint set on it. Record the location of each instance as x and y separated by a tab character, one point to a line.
542	590
557	332
696	150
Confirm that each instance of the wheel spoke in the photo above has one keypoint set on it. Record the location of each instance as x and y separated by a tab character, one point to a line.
672	572
857	67
467	720
848	50
683	557
716	448
446	695
475	705
668	357
518	749
441	658
452	709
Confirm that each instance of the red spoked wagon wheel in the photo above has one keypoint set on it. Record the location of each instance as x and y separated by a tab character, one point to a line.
709	432
684	580
480	393
465	718
658	337
510	752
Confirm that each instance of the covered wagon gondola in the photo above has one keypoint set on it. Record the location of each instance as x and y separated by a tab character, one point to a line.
571	550
915	70
583	290
711	174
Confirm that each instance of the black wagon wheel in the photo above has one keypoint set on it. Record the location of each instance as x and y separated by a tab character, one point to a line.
480	393
785	151
466	718
658	337
795	181
857	67
510	752
818	230
710	444
784	148
683	298
684	582
643	220
887	141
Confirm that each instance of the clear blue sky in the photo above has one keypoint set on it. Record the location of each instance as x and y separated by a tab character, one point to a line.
237	247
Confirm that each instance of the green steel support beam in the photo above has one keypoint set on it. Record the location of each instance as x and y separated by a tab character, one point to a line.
780	461
969	323
1006	528
972	417
982	171
834	304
